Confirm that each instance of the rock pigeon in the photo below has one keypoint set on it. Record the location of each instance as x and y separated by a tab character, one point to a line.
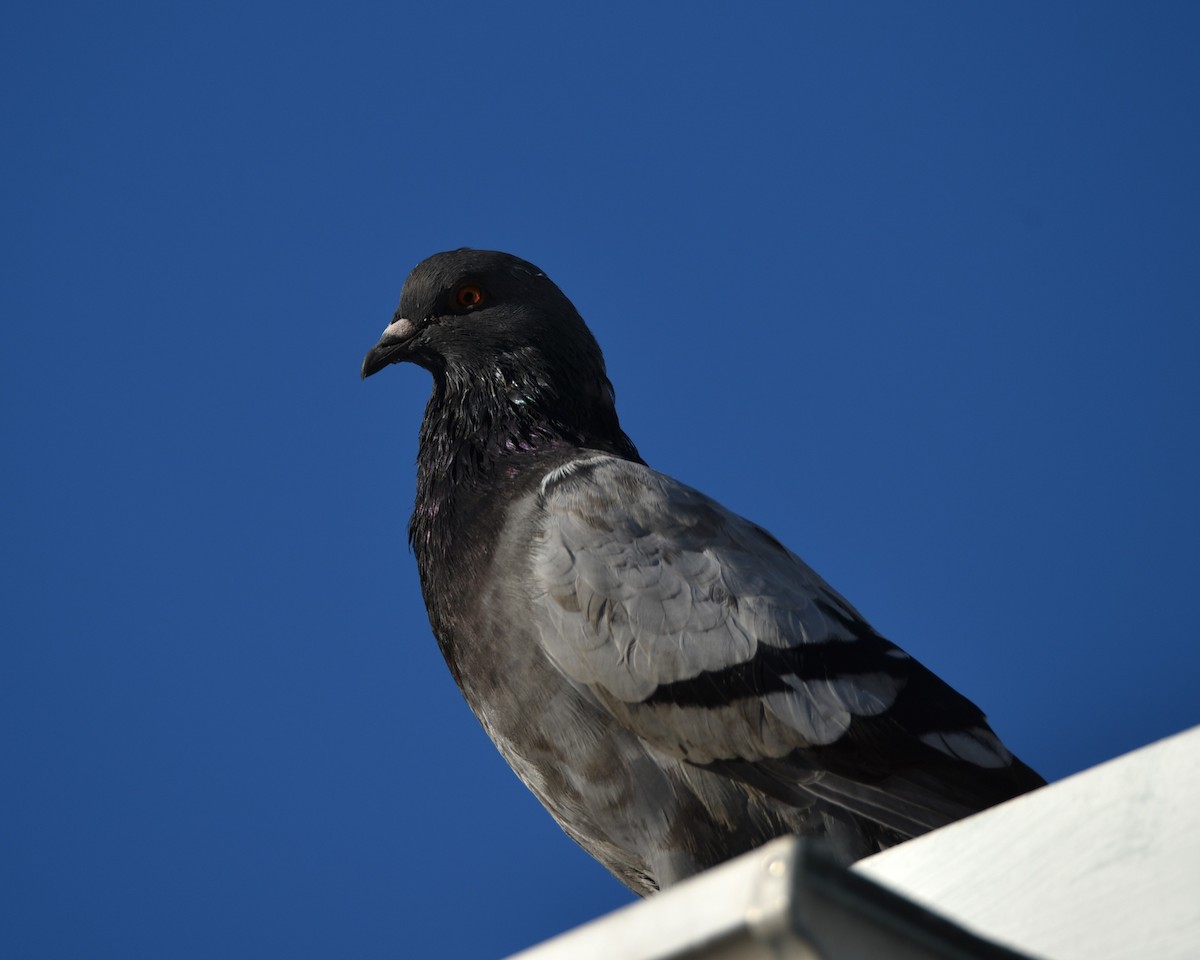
672	683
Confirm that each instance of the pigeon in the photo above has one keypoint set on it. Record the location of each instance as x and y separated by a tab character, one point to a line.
673	684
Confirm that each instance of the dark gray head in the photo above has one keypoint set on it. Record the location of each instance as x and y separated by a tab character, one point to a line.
499	336
469	308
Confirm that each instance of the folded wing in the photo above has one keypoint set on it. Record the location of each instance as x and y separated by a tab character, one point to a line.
714	643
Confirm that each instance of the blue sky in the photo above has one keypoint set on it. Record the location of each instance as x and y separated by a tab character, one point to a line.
915	286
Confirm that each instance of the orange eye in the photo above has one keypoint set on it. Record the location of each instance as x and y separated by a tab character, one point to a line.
469	296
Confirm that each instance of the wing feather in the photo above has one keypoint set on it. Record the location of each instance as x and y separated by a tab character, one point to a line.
705	636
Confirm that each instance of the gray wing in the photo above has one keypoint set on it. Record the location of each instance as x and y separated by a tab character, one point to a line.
705	636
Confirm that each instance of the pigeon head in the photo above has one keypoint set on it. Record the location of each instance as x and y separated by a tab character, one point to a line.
466	311
510	356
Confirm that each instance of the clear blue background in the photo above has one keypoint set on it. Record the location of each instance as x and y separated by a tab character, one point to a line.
913	285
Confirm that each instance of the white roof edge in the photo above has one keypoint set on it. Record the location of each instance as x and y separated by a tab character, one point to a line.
1103	865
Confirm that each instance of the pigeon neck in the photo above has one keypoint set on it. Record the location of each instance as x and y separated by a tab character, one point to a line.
478	433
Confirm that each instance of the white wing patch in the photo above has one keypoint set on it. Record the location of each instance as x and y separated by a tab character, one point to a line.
564	471
821	710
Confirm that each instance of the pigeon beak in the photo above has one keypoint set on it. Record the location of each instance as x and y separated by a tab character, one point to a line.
391	347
